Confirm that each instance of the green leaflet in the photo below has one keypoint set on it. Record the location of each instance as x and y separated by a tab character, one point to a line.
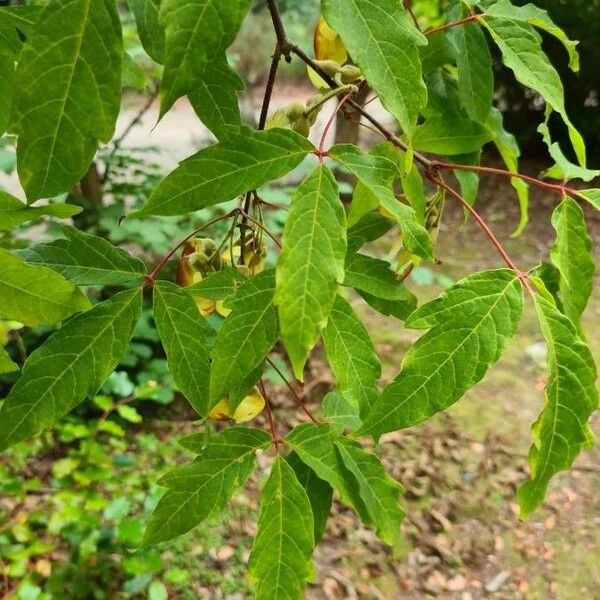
14	213
186	338
73	60
468	180
378	174
375	277
202	488
280	562
311	264
352	357
539	18
36	295
369	228
562	430
474	63
7	78
133	76
455	135
470	325
244	160
510	152
151	33
218	285
315	445
563	169
245	339
572	255
522	52
215	98
384	43
69	366
438	53
85	259
197	35
341	411
377	489
6	364
319	493
357	476
591	196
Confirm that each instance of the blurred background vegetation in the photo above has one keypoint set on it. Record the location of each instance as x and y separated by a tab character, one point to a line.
73	502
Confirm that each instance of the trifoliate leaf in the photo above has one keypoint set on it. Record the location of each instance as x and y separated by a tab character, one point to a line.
186	337
73	61
202	488
311	265
244	160
378	174
69	366
562	429
280	562
572	255
85	259
352	357
384	42
36	295
470	325
244	340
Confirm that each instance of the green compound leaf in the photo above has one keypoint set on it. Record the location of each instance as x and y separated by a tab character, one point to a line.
510	152
215	98
352	357
73	61
521	47
561	431
378	173
186	338
202	488
470	325
539	18
85	259
36	295
384	43
455	135
14	213
245	338
6	363
281	558
69	366
591	196
572	255
311	265
243	161
319	492
475	74
151	33
197	35
378	490
218	285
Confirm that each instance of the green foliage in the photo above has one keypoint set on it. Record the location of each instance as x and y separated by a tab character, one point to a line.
62	66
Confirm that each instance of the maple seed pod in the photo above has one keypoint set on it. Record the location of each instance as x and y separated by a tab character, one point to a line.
250	407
